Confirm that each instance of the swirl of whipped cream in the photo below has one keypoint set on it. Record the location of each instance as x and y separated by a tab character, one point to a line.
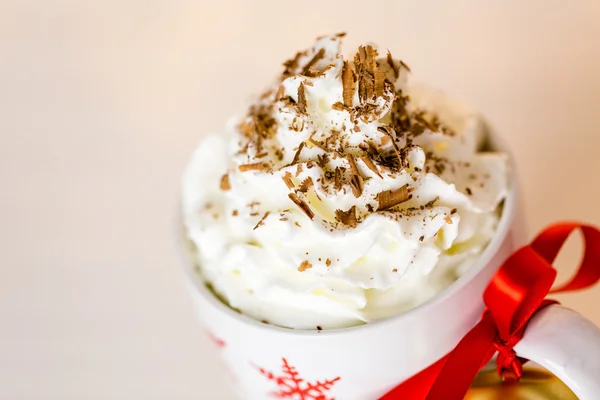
342	198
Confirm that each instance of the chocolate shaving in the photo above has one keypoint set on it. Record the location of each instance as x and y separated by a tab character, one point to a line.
397	153
371	150
404	65
337	179
348	80
302	98
390	198
297	155
448	220
266	94
263	122
371	165
365	61
322	160
280	92
340	106
259	166
315	143
291	65
302	205
295	126
432	202
357	185
419	116
306	184
279	154
262	220
287	179
307	68
328	262
225	182
400	118
356	181
393	65
304	266
371	58
247	129
347	217
379	82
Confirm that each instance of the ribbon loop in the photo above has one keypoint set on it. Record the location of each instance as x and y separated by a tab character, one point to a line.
517	290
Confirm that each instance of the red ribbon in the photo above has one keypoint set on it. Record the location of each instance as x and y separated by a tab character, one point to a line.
514	295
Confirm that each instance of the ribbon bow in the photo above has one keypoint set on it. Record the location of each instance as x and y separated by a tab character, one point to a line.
514	295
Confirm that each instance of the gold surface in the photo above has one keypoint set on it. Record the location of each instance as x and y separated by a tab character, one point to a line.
536	384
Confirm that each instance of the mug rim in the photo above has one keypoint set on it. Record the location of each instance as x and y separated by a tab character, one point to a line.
505	222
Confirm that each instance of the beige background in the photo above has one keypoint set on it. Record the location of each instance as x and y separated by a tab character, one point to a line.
101	103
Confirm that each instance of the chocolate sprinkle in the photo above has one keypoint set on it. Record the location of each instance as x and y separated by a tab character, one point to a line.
304	266
225	182
262	220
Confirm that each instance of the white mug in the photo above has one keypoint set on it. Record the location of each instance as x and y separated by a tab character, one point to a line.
365	362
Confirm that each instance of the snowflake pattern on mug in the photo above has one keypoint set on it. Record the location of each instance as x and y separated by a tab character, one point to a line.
291	386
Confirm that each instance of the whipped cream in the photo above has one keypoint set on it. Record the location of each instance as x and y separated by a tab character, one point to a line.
346	195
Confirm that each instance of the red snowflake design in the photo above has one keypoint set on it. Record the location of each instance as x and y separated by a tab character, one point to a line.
291	386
